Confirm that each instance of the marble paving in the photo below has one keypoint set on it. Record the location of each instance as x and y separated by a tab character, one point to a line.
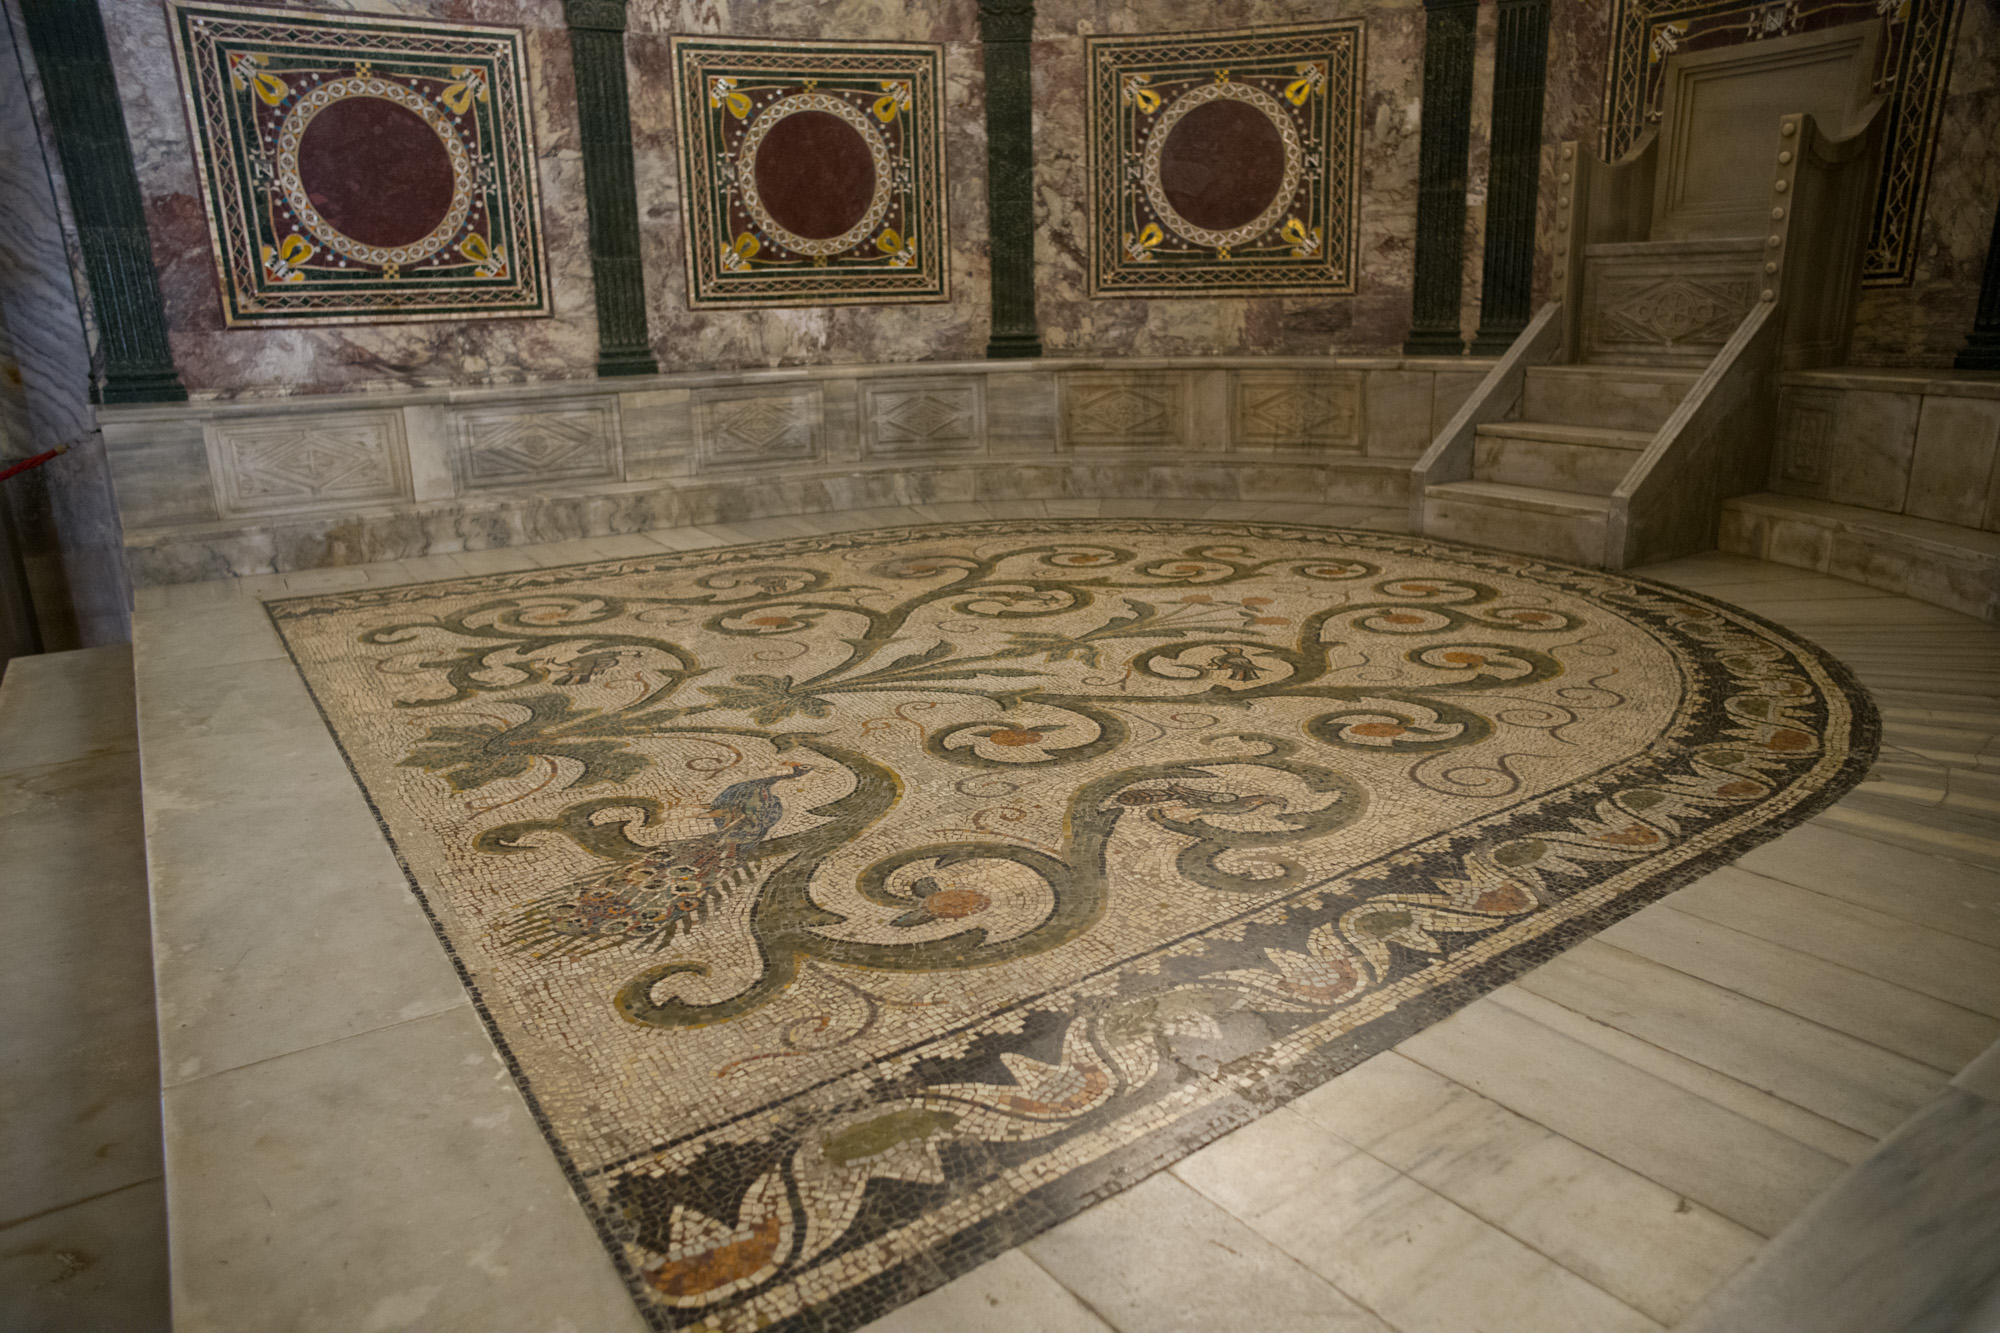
854	907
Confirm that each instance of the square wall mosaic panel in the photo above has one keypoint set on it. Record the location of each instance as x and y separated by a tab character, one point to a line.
1224	163
1913	63
812	173
360	169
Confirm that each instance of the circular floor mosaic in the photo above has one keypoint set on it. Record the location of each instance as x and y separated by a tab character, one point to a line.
855	907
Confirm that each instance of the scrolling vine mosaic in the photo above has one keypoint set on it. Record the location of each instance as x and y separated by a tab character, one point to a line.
362	168
1224	162
812	173
855	907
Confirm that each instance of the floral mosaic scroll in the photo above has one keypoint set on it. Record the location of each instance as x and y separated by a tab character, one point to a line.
812	173
1224	163
362	169
854	907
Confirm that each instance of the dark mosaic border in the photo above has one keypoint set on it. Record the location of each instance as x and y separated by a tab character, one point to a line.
1312	76
241	68
732	261
1241	1092
1913	68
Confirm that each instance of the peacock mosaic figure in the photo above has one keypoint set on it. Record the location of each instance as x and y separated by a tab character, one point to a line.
654	897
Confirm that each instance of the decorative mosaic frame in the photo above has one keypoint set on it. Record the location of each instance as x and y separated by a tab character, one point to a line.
739	255
1307	80
1913	65
254	79
823	1198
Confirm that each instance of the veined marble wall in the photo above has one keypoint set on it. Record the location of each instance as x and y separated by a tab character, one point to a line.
215	362
1925	323
64	516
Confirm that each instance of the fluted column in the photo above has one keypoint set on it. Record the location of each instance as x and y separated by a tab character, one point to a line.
1507	284
1982	345
610	194
1005	27
1449	37
67	38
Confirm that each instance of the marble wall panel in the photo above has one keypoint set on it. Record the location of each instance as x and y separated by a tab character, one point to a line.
1800	463
526	445
1953	473
759	428
923	417
658	426
1125	410
1021	412
1873	439
1398	407
308	461
1296	409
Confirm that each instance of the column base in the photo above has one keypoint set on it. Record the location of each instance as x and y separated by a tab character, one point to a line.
1013	346
1433	342
1981	352
149	386
626	361
1493	342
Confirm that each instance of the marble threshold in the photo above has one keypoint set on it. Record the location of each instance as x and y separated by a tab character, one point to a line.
1598	1146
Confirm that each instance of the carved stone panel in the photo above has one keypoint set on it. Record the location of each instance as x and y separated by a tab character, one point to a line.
309	462
1113	410
756	428
1663	312
1296	409
515	446
1806	420
912	418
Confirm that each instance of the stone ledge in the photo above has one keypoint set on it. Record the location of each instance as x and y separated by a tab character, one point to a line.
287	543
1940	563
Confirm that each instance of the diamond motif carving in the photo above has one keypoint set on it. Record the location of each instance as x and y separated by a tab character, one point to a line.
912	417
309	462
1296	410
1669	312
510	447
737	429
1120	411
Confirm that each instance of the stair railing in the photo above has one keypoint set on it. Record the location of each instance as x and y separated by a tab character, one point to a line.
1449	457
1717	443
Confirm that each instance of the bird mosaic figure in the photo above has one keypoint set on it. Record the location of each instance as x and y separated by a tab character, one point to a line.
668	890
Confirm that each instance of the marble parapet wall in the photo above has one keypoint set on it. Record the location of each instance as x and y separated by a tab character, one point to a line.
213	489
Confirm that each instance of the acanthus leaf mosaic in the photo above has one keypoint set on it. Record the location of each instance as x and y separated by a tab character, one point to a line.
856	907
1225	163
358	169
812	173
1913	65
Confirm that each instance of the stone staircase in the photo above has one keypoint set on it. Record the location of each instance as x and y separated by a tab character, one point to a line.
1543	484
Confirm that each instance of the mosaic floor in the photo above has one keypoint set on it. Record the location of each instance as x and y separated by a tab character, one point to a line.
855	907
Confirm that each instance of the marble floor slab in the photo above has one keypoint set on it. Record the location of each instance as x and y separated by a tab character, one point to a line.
1518	1163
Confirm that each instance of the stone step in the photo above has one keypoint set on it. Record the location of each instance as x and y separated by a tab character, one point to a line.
1561	525
1549	456
1618	397
1941	563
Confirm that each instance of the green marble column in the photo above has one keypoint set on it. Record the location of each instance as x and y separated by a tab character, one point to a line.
610	194
1520	64
1005	27
1449	39
1982	345
67	39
